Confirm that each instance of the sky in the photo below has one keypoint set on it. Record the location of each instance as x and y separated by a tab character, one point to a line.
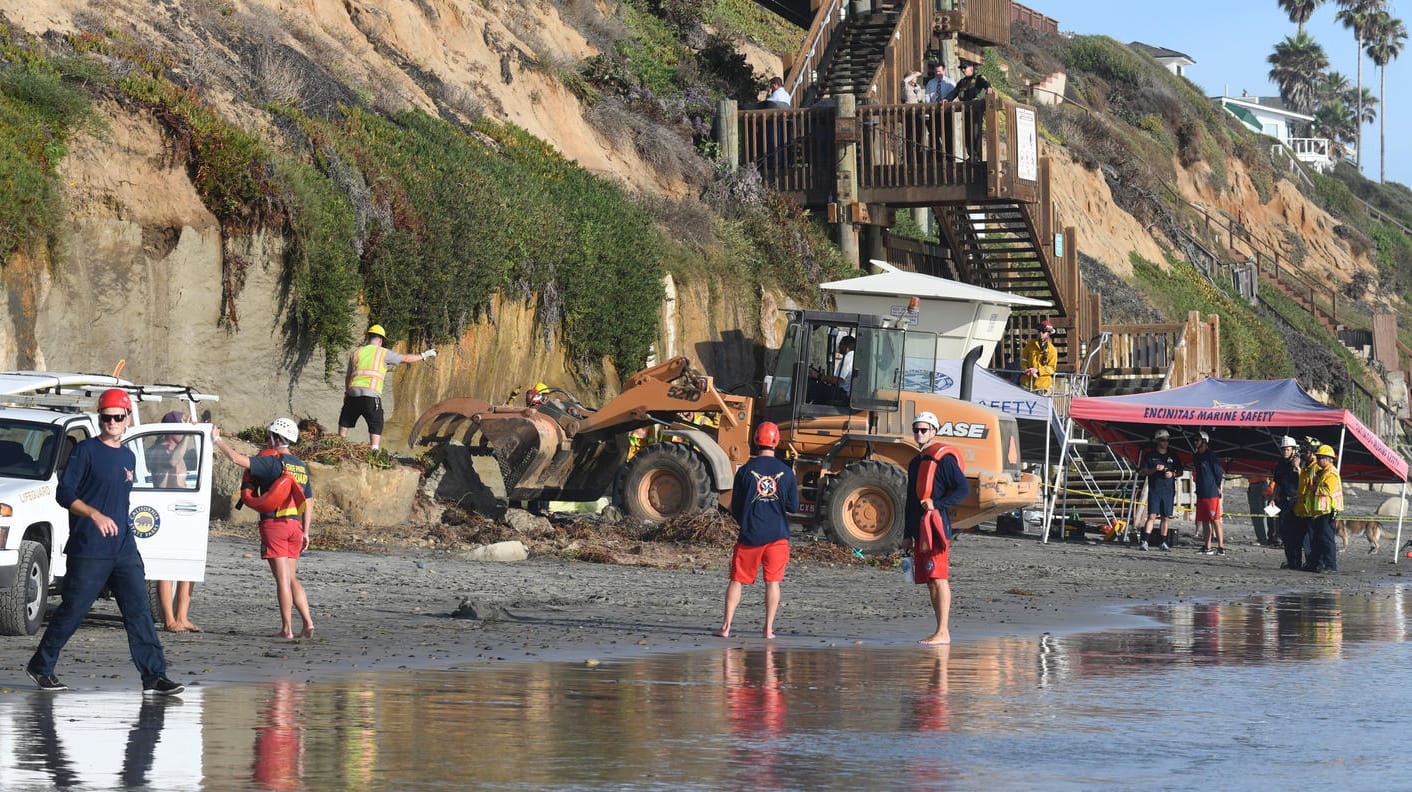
1230	41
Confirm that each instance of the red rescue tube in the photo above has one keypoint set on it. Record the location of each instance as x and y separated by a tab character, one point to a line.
278	496
284	490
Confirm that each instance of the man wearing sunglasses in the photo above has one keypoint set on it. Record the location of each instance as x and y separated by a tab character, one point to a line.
102	552
935	482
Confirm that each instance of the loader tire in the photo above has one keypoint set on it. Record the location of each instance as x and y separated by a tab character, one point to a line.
23	605
663	481
864	506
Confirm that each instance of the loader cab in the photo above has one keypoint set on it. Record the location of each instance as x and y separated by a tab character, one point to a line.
884	359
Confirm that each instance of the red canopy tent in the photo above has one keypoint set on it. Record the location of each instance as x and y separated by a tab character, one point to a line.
1245	419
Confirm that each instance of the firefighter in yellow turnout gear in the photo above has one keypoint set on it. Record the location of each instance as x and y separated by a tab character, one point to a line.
1039	360
364	380
1323	501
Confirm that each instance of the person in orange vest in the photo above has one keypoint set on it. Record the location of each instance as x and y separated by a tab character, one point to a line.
935	482
367	372
277	485
1324	502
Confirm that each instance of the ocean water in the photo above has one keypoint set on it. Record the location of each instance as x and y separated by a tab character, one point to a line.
1281	693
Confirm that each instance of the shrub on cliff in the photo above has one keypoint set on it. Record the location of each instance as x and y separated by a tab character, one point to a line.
39	112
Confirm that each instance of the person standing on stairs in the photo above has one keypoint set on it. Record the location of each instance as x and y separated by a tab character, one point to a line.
1039	360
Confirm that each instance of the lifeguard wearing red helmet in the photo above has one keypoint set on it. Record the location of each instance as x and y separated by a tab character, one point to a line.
767	435
115	399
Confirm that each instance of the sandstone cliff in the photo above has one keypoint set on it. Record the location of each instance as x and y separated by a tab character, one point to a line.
139	279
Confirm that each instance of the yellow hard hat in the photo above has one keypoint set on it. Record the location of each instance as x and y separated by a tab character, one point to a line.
1325	451
377	331
541	387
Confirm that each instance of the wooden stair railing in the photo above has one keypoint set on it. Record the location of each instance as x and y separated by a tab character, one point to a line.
802	79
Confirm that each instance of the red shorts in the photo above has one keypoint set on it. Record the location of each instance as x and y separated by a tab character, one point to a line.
282	537
746	561
931	566
1208	509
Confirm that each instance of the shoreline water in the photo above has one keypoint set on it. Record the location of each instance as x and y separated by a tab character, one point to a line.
396	610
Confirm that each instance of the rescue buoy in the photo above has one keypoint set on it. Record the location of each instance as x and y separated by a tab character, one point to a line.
280	494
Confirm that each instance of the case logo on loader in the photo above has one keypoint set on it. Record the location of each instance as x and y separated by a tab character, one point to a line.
963	429
145	521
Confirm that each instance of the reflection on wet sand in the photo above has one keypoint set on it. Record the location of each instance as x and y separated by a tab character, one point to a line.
768	716
279	739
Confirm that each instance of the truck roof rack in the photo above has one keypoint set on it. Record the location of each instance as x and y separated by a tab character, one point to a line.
66	402
78	398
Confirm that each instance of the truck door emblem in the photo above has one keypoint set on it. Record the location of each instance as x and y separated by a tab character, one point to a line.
145	521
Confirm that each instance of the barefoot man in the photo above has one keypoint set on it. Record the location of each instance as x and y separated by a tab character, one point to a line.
286	511
935	482
765	493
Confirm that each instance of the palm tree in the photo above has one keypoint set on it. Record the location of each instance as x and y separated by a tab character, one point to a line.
1300	10
1354	14
1331	86
1386	35
1296	65
1334	120
1366	100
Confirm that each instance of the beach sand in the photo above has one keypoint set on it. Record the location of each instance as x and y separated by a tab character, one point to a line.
402	608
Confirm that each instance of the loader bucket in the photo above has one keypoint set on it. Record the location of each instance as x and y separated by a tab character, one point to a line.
524	444
443	420
523	440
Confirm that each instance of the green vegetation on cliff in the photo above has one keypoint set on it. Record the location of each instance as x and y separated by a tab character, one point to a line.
1250	348
42	104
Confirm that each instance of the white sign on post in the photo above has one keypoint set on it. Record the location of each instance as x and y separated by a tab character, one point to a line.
1026	144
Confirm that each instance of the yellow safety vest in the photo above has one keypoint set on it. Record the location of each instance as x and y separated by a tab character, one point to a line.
1326	494
368	368
1306	484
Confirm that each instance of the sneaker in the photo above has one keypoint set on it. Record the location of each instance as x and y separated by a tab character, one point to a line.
1142	546
1207	551
47	682
1165	547
161	686
1220	551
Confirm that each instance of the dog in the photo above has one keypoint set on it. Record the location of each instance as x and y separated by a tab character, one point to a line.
1372	529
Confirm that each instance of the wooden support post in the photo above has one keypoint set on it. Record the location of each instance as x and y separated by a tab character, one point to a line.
728	132
846	168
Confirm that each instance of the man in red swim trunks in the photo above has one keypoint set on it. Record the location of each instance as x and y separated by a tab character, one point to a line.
284	528
765	494
935	482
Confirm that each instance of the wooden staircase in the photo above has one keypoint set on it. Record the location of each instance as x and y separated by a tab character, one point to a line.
996	246
858	50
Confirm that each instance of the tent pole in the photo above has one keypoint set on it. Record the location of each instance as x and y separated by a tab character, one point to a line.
1054	491
1401	512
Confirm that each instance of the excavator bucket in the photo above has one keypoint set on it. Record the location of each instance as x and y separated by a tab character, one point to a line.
522	440
445	419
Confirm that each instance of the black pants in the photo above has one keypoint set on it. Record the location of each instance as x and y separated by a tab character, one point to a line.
1294	532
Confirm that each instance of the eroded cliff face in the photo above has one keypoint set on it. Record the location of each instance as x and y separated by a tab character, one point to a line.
139	278
139	282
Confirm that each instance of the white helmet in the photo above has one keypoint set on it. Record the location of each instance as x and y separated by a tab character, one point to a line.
1205	438
927	418
1288	442
285	429
1162	434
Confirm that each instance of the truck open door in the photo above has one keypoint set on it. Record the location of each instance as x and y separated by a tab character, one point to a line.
170	507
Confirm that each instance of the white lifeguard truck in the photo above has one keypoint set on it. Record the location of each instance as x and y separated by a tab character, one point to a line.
43	416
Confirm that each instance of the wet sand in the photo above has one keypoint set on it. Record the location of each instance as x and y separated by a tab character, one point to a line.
398	609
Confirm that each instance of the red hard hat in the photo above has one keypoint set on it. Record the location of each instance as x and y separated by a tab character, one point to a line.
115	398
767	435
